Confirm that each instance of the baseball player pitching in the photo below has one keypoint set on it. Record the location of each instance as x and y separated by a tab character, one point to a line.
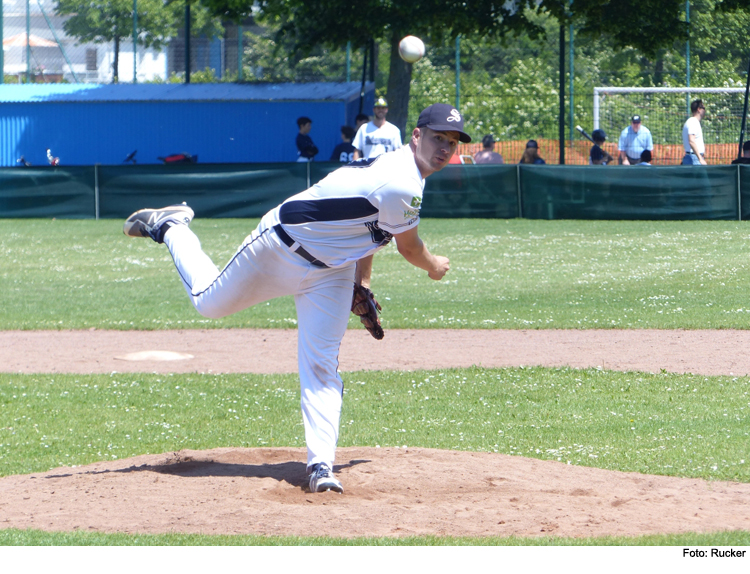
318	246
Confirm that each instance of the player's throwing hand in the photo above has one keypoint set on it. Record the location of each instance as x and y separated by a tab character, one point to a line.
442	267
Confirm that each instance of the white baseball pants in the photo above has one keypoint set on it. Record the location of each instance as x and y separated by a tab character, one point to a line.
264	268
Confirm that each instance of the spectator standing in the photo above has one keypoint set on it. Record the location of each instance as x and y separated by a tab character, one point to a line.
306	149
377	136
531	154
692	135
488	154
598	156
344	152
645	157
745	159
633	140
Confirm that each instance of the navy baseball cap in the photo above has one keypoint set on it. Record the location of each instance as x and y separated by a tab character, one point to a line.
636	119
598	135
532	144
443	118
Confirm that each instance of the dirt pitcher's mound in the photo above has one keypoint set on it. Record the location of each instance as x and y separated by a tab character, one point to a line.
388	492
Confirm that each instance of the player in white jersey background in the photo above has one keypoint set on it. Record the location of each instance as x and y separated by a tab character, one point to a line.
316	246
378	136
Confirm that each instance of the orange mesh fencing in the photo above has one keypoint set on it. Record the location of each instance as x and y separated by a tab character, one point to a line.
577	152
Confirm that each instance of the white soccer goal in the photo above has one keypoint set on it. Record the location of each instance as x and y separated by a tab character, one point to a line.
664	111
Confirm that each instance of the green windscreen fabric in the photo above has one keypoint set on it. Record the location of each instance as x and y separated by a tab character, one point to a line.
489	191
216	190
460	190
629	192
318	170
64	192
744	177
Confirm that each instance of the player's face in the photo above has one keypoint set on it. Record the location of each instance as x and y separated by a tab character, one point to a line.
434	149
380	112
636	126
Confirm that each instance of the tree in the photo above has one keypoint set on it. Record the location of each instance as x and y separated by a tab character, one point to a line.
645	24
112	20
310	23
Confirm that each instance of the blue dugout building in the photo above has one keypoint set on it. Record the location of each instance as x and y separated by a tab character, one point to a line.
89	124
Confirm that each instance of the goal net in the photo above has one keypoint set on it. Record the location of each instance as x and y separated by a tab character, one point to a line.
664	110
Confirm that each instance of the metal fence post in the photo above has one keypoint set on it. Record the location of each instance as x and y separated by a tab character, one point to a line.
518	187
739	195
96	191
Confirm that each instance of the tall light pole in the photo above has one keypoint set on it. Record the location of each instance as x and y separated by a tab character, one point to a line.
135	41
28	42
187	41
2	61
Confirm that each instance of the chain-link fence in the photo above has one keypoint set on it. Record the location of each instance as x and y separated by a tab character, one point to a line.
37	47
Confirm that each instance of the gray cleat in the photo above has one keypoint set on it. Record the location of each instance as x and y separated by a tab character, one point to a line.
322	479
150	222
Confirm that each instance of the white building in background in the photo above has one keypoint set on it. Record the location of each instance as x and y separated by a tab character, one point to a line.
56	56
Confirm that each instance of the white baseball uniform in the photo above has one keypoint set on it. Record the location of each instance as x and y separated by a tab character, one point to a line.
308	247
373	141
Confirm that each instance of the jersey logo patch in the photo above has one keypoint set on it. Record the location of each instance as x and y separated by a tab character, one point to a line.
416	202
378	236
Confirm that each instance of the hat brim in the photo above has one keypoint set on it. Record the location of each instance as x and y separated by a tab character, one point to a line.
463	137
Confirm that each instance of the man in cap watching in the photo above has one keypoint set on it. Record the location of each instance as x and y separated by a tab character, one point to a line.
633	140
377	136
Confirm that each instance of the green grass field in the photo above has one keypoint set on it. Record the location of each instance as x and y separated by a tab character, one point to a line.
39	538
515	274
668	424
506	274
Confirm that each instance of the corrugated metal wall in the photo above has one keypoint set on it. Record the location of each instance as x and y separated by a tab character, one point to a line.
220	123
218	132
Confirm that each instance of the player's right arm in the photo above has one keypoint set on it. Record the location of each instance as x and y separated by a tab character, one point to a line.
413	249
357	154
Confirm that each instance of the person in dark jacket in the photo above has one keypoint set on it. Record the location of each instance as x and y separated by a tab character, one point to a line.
306	149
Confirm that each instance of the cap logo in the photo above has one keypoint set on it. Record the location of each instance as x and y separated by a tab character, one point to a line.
454	117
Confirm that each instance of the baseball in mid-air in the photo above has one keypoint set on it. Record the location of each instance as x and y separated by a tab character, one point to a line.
411	49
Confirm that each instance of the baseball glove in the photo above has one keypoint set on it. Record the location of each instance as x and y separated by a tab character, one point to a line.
364	305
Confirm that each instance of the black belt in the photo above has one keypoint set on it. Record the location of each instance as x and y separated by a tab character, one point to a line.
692	153
301	251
